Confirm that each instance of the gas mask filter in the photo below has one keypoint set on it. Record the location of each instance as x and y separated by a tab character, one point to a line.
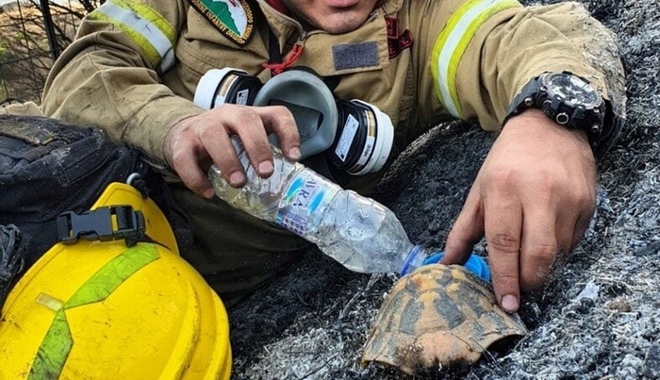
220	86
351	136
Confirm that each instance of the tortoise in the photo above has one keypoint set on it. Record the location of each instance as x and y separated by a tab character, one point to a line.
437	316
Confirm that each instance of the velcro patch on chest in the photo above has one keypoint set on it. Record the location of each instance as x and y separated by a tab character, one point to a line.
351	56
233	18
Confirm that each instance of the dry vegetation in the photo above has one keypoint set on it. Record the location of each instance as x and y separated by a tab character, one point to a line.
25	53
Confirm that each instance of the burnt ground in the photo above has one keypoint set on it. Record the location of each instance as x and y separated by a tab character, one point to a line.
597	318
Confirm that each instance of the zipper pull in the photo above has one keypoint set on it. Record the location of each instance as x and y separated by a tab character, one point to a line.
290	58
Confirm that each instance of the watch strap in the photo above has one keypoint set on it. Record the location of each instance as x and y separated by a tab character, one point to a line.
526	98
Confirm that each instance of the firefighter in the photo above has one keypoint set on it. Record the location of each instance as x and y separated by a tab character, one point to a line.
547	78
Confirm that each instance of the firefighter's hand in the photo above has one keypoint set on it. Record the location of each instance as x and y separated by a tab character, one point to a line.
193	144
532	199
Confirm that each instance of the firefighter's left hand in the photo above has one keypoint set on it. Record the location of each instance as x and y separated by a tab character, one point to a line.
532	199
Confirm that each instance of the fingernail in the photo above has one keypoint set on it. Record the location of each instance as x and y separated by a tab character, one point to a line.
510	303
265	167
236	179
208	193
294	154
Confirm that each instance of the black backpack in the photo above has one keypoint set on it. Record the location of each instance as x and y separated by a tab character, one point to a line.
48	168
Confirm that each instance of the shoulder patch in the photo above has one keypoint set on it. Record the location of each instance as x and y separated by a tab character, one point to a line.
397	40
233	18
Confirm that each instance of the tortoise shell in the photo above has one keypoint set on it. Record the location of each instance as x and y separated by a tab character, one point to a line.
437	316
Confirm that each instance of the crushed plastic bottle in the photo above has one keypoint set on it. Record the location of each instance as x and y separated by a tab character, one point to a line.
358	232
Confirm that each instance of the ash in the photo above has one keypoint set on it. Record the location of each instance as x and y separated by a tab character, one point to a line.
597	318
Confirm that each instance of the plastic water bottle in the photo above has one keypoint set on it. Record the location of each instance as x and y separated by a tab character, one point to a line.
360	233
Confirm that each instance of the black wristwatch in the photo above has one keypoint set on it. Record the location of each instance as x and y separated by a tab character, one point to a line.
566	98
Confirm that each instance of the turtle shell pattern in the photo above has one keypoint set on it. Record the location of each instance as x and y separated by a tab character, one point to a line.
437	316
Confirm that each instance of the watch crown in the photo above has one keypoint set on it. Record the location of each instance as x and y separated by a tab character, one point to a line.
595	129
529	101
546	106
562	118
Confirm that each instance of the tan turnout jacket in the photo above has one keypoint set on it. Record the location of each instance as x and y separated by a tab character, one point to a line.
134	66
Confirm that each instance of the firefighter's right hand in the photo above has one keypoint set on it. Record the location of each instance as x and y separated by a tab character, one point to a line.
193	144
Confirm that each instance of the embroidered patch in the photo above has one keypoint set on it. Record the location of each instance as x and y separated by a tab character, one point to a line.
233	18
397	41
350	56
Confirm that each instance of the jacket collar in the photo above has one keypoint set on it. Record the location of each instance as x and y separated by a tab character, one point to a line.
335	54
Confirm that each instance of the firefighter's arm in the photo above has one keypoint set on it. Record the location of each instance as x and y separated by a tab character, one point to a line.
110	75
535	193
478	55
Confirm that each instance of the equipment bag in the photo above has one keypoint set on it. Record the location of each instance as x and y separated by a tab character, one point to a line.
48	167
12	258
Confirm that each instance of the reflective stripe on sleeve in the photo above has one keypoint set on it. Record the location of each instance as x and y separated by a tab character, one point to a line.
452	43
153	33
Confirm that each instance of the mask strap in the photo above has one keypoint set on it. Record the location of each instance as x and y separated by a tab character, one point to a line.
276	66
274	54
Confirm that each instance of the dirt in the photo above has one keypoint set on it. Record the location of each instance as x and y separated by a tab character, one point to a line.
597	318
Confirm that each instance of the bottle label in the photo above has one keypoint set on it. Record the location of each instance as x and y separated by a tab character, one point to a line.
304	202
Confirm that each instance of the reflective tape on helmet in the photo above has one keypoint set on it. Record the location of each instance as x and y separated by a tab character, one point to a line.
452	43
151	31
58	342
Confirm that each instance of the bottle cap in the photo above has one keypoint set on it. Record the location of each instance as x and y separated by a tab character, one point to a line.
475	264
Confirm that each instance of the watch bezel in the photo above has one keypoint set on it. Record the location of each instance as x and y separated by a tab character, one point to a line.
557	102
576	81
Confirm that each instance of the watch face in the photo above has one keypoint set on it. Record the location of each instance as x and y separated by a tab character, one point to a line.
573	90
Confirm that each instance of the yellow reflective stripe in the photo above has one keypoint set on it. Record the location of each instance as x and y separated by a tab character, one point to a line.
58	342
153	33
55	348
102	283
452	43
149	51
151	15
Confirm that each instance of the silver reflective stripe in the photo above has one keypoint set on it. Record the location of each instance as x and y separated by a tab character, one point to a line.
149	32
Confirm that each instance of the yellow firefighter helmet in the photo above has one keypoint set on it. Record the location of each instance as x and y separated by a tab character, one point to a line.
107	310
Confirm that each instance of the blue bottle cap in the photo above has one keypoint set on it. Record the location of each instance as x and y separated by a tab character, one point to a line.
475	264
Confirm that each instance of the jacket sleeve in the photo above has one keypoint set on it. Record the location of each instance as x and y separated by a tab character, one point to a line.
110	75
478	54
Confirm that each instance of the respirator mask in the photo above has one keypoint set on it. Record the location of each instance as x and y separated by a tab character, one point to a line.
337	137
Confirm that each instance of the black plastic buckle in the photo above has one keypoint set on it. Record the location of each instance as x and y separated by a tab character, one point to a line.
97	225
